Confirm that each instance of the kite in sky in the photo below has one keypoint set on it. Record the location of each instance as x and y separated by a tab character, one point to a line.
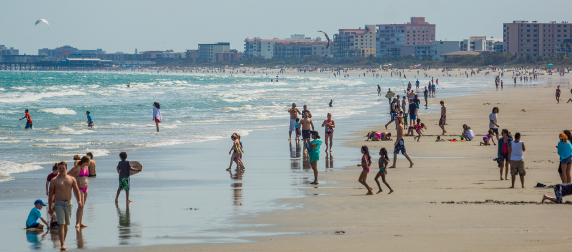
42	21
327	38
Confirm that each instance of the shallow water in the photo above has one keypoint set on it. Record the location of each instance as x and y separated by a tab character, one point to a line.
176	178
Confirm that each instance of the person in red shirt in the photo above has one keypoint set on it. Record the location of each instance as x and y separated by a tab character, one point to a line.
53	221
28	120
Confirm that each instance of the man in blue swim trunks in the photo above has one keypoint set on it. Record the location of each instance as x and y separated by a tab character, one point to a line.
400	144
307	124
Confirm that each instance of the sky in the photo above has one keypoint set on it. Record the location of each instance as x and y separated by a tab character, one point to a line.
145	25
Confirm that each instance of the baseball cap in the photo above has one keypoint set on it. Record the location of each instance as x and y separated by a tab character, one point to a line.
40	202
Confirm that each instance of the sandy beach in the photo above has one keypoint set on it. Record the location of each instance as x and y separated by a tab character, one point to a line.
451	200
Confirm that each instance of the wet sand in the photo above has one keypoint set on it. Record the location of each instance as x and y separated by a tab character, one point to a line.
451	200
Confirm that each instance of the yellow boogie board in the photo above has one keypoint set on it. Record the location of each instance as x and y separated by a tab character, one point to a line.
135	165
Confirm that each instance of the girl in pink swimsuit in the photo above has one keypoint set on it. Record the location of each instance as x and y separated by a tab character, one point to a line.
365	164
81	172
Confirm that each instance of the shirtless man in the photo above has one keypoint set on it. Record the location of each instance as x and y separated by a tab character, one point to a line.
400	144
393	107
61	189
307	124
92	165
293	116
443	118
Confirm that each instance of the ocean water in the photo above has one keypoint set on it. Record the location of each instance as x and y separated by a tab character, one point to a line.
184	195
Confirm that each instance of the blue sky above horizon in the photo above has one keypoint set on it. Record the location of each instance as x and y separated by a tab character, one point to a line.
124	25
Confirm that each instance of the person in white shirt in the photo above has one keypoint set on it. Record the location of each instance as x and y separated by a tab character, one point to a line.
157	114
493	122
468	133
515	151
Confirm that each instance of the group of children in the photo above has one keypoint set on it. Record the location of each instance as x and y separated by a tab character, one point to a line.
366	163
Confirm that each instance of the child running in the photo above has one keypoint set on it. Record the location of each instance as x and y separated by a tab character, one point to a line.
365	164
419	129
487	138
383	162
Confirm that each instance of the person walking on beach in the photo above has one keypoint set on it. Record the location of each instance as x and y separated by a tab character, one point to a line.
124	170
28	120
383	162
329	124
413	108
59	200
157	114
557	96
425	94
89	119
493	125
565	153
400	144
443	119
365	164
306	111
502	153
389	91
393	113
307	126
433	89
378	90
80	172
293	116
516	150
314	153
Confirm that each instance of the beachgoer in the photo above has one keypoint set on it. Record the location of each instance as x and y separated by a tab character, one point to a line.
443	119
124	170
89	119
565	153
493	125
329	124
157	114
35	214
393	113
389	91
92	165
516	150
417	84
413	108
80	172
331	103
314	153
488	137
306	111
298	131
419	129
502	153
383	162
468	133
403	104
433	89
400	144
557	95
365	164
425	94
59	200
236	150
28	120
51	176
293	116
378	90
560	191
307	126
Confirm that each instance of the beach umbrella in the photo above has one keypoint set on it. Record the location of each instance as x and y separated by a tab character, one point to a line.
550	64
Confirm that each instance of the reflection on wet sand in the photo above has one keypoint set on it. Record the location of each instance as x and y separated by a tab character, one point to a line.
35	239
329	161
295	152
79	238
127	230
237	191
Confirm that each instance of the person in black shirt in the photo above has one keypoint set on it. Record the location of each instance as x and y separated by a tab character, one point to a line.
413	107
393	112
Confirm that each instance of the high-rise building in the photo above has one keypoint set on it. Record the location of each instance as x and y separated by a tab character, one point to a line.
535	39
207	52
8	51
355	42
399	39
67	51
258	47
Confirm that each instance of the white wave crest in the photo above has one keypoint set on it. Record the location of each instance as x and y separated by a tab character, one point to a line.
7	168
59	111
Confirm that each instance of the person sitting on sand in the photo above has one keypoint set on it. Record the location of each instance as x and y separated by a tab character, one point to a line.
488	137
560	191
468	133
376	136
383	162
35	214
365	164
